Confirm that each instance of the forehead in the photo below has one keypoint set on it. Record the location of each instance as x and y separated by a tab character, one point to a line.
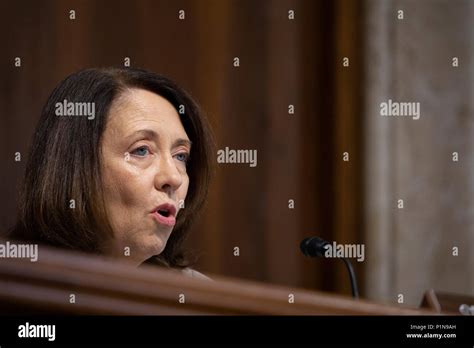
139	108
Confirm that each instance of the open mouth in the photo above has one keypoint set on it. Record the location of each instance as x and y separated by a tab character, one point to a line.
164	212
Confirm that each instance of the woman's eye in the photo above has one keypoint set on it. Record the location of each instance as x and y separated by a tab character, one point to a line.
141	151
183	157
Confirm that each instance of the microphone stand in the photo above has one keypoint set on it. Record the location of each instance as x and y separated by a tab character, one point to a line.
315	247
352	276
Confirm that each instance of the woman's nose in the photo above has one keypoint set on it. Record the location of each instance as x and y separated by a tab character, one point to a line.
168	176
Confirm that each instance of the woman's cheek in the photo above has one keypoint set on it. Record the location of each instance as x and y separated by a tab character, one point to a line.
183	191
130	180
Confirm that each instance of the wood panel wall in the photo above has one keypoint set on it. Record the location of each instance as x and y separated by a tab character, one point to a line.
282	62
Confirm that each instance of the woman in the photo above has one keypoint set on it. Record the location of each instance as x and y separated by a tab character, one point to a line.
120	165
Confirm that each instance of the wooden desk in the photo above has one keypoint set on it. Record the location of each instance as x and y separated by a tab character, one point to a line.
104	286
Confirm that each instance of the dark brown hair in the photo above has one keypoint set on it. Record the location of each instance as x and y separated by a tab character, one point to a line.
64	164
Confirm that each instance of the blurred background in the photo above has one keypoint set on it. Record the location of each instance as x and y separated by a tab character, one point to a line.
404	56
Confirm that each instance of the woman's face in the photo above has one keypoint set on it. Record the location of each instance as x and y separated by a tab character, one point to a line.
144	154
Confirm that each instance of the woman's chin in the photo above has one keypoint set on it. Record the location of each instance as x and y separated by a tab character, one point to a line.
155	246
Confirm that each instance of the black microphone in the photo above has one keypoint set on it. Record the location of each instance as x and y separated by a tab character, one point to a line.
316	247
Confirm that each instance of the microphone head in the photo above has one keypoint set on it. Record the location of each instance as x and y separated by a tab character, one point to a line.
313	246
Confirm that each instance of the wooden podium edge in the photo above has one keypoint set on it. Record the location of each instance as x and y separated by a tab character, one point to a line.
106	286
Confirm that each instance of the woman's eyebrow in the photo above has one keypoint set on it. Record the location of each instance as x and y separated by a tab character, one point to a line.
146	133
184	142
151	134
